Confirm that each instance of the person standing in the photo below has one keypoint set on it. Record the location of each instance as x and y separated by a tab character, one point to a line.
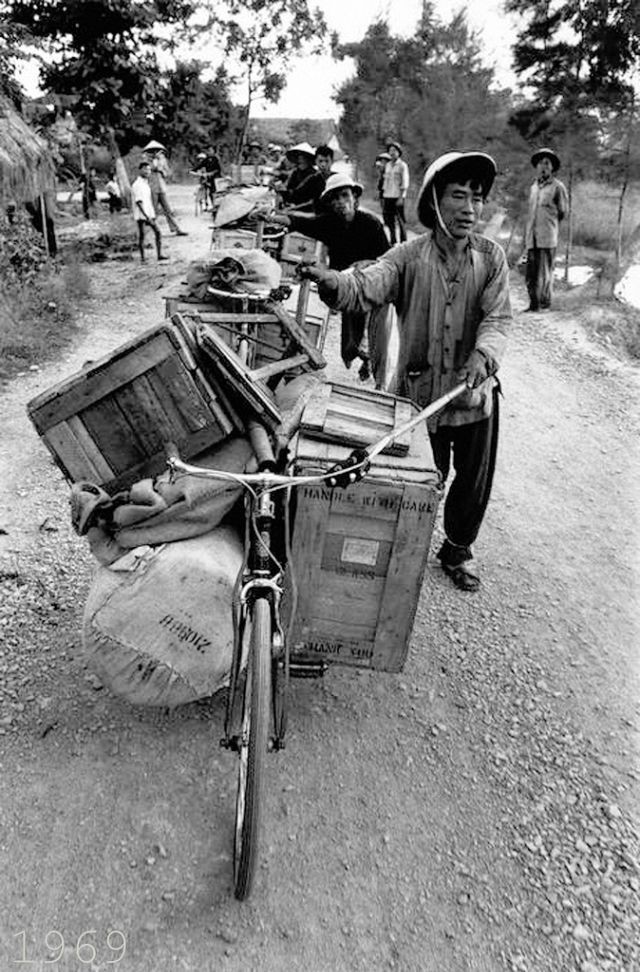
395	183
450	287
380	165
305	184
113	192
548	206
158	175
324	160
143	211
89	193
353	238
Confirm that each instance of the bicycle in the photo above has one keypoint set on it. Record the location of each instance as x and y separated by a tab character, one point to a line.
202	193
256	711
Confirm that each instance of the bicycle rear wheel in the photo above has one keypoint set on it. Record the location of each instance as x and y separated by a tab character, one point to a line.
256	711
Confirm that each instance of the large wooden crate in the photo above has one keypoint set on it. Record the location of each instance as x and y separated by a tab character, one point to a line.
110	423
267	341
358	556
346	415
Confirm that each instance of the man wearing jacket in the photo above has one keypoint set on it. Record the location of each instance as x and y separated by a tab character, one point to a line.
451	292
548	205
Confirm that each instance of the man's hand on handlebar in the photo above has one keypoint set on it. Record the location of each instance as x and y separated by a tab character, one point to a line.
311	271
476	369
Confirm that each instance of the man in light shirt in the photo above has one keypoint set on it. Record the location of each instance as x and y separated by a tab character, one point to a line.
143	211
548	205
450	287
395	183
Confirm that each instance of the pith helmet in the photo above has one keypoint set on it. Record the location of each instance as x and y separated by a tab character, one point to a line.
546	153
336	182
482	166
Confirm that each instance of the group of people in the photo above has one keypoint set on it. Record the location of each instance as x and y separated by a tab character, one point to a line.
450	289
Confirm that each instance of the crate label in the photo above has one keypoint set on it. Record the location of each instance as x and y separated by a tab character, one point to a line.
359	551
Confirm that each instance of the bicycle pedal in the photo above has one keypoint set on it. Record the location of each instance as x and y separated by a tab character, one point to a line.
307	669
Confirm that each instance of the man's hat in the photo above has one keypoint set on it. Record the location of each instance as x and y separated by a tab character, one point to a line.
384	156
201	155
396	145
153	146
254	144
546	153
336	182
302	148
482	166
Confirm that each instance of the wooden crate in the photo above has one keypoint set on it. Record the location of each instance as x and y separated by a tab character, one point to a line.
231	239
110	423
358	556
297	247
268	342
352	416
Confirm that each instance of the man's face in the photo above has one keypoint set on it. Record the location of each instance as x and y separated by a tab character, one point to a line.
460	208
343	204
544	168
303	161
144	171
323	163
393	152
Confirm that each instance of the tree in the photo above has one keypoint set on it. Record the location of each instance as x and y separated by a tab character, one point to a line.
264	36
193	114
577	56
430	91
103	56
13	37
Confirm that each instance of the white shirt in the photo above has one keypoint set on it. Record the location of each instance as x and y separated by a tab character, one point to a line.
141	193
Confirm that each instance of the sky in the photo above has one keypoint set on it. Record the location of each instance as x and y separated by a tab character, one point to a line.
312	80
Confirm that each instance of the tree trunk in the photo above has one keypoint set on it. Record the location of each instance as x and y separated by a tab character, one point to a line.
122	176
569	244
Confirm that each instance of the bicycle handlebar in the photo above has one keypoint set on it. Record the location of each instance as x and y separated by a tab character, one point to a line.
349	471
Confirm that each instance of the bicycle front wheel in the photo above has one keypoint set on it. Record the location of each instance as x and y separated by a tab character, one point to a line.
253	748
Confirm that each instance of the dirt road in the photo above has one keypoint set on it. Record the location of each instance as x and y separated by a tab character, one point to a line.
477	813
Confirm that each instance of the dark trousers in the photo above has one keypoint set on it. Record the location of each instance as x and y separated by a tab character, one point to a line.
473	448
392	213
539	276
141	234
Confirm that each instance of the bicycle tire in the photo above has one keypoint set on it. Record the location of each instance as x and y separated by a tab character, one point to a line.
256	709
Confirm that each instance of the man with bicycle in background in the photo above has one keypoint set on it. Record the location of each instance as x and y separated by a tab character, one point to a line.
450	287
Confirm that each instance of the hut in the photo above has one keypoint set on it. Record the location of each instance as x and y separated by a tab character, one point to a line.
27	172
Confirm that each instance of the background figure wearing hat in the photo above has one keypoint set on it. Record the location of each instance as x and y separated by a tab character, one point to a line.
158	175
450	287
352	237
395	183
305	184
380	164
143	211
548	205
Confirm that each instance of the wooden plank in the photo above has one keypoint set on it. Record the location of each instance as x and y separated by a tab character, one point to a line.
277	367
404	577
224	416
306	556
115	438
89	447
69	454
149	422
405	411
315	412
184	394
87	387
297	335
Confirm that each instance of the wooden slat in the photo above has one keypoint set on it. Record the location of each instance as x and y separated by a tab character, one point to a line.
149	422
87	387
315	413
89	447
402	589
69	454
109	428
184	394
306	554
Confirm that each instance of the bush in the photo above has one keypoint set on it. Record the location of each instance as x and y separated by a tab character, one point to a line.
595	214
37	296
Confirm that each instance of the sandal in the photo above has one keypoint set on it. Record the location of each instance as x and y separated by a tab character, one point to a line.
463	575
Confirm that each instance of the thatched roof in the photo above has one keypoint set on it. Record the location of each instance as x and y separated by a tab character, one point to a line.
26	165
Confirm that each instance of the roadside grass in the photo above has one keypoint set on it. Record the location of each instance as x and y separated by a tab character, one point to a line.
595	214
38	296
